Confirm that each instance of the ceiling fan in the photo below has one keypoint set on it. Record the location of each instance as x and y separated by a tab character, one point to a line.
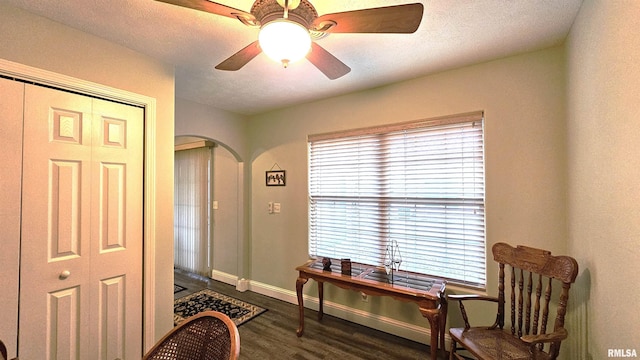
299	22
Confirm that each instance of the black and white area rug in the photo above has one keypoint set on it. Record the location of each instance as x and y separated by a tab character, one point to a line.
206	299
177	288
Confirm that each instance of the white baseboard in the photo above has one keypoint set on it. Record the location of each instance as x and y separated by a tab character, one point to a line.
243	285
224	277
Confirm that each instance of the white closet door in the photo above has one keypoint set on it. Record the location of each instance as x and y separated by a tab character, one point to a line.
11	97
81	259
116	230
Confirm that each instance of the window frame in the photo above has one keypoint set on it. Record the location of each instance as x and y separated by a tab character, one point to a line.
478	263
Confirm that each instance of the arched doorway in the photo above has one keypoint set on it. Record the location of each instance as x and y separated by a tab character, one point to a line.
224	209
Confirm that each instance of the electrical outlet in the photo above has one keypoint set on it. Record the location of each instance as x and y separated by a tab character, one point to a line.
270	207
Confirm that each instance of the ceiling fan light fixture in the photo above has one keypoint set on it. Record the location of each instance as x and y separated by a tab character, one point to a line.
284	41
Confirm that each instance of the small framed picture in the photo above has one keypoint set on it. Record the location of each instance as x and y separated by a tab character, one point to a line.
276	178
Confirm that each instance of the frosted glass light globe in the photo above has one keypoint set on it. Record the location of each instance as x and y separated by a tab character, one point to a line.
284	41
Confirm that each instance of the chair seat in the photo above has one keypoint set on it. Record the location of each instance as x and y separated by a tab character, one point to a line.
494	344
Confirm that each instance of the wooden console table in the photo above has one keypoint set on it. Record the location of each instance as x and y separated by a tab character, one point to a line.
427	293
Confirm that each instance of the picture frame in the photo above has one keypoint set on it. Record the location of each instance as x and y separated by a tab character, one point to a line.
275	178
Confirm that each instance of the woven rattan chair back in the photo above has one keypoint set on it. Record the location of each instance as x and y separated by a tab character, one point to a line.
209	335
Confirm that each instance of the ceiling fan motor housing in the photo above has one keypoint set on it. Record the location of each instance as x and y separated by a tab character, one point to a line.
269	10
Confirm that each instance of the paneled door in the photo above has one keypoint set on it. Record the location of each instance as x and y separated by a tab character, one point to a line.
10	176
81	246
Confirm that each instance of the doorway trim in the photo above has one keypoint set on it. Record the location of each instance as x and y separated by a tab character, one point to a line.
30	74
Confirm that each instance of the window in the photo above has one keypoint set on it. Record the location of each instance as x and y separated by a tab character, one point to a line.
420	184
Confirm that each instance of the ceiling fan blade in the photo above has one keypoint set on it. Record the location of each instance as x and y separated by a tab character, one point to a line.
327	63
213	8
241	58
399	19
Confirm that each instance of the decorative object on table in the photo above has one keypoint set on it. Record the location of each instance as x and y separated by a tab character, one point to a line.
326	264
275	177
392	259
345	266
204	300
177	288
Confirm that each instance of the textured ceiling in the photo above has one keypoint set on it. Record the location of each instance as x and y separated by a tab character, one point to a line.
453	33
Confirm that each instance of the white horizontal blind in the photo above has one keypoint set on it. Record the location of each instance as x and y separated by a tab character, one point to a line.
420	184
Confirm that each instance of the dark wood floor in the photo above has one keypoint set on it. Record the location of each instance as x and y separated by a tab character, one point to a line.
272	335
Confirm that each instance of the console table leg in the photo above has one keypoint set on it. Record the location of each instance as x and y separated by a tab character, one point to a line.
320	298
444	310
433	315
299	284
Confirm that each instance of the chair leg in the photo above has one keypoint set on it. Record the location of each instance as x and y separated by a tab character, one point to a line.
452	355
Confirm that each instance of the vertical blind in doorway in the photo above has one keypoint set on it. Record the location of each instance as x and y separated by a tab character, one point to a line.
191	210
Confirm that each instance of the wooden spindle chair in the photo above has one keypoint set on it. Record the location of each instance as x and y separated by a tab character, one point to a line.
533	274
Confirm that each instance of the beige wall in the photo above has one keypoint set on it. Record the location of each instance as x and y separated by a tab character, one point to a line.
228	129
603	53
226	222
524	102
43	44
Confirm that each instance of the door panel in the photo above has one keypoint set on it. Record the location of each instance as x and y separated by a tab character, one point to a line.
64	217
82	241
55	246
63	332
10	192
112	323
117	229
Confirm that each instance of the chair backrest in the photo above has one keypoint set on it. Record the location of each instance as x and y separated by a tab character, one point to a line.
533	274
209	335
